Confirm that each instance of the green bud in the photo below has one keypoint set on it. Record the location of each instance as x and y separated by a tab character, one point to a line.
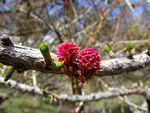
45	51
57	64
8	72
129	47
148	45
107	49
52	98
55	99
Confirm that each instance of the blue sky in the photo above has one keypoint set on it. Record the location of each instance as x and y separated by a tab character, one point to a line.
83	3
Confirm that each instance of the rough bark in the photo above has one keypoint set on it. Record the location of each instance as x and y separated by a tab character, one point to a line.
24	58
27	58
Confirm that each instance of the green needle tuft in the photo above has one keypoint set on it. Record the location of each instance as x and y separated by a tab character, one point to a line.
129	47
45	51
58	64
148	45
8	72
107	49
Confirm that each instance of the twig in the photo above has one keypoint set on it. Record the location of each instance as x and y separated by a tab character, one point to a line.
34	74
125	99
20	86
129	4
75	98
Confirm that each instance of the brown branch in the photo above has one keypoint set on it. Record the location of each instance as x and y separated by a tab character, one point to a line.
31	59
24	57
120	65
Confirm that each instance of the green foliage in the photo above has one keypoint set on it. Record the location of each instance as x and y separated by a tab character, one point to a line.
57	64
148	45
29	104
129	47
8	72
107	49
45	51
52	98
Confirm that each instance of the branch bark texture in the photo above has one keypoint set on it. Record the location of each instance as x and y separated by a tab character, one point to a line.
31	59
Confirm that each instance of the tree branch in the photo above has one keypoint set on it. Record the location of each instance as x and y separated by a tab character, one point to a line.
24	57
74	98
120	65
103	95
31	59
20	86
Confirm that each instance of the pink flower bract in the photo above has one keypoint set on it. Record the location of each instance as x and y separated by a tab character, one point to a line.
88	62
67	52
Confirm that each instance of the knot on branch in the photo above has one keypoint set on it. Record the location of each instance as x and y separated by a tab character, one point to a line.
5	40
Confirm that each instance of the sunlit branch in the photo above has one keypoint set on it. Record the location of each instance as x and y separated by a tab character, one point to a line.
31	59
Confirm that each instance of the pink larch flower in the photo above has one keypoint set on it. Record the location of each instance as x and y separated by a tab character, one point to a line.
89	63
67	52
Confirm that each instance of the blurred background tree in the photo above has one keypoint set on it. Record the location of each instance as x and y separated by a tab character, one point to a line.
88	23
